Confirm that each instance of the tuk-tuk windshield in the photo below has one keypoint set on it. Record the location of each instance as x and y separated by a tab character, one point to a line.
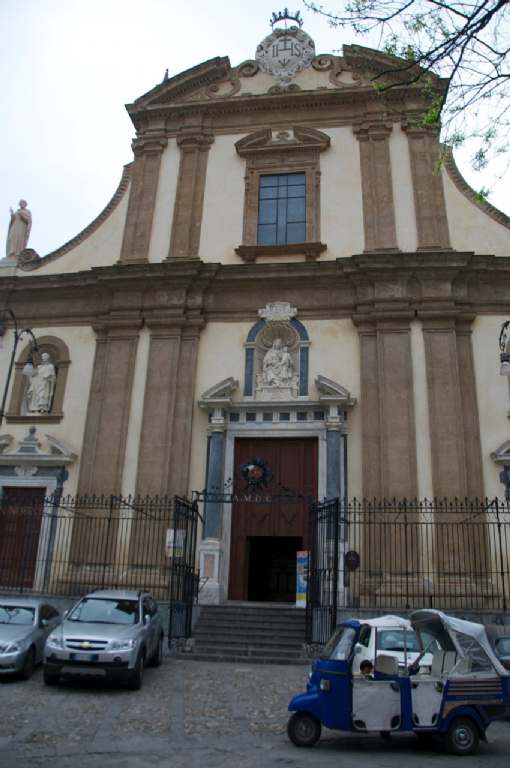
339	645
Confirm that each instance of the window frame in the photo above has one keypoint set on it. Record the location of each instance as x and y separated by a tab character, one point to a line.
270	152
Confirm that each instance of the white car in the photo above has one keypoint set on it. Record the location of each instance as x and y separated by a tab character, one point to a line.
393	636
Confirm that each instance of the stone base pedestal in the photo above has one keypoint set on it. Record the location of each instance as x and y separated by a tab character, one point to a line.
211	591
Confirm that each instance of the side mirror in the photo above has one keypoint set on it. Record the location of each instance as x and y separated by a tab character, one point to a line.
357	649
147	619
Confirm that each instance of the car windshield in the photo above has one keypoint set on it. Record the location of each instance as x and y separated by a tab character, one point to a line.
105	611
397	640
16	614
402	640
503	646
339	644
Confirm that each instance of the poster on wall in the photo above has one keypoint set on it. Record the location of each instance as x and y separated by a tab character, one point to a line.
174	542
301	571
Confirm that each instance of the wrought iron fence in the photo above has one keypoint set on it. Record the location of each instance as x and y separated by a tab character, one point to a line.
391	555
71	545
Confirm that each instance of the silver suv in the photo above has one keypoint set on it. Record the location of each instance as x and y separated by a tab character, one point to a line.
111	634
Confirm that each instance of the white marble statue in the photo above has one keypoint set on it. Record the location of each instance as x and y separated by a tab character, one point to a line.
19	230
272	364
42	386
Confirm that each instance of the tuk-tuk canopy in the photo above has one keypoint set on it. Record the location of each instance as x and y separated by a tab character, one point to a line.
444	629
387	622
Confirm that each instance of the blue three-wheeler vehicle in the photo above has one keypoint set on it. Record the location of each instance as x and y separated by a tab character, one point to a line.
456	696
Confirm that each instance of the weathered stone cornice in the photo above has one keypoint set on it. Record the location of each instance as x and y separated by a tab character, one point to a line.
193	290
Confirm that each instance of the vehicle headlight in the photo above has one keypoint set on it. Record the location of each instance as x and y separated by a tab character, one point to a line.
56	641
11	648
121	645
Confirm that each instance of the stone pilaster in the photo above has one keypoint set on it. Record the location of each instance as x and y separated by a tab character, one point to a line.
165	441
388	428
148	149
194	145
449	475
429	202
377	190
108	408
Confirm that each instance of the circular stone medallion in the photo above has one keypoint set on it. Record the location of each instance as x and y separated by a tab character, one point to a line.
285	52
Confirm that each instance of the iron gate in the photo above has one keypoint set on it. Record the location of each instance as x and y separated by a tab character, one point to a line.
326	531
184	577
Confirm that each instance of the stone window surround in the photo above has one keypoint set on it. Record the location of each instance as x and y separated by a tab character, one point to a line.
59	354
294	150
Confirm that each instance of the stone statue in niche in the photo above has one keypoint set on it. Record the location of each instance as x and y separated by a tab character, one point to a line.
19	230
42	386
278	380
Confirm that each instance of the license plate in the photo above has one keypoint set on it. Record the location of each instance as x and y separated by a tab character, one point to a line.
84	656
85	671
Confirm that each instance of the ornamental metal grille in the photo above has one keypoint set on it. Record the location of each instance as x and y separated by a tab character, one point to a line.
449	554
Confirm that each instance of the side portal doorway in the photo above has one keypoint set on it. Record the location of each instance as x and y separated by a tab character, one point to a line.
270	519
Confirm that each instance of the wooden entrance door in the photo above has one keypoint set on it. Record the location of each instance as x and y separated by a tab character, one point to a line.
293	464
20	525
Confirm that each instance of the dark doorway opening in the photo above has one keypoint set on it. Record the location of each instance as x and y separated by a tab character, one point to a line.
272	568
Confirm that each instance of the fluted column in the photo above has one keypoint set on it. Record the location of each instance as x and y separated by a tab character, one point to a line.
377	190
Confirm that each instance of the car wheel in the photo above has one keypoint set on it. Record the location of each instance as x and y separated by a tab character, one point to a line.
136	679
462	737
28	664
50	678
303	730
158	653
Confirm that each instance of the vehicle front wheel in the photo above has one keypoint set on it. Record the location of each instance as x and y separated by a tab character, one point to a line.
28	664
136	679
462	737
303	730
50	678
158	654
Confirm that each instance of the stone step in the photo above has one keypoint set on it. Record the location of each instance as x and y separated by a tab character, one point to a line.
227	627
247	651
229	658
235	639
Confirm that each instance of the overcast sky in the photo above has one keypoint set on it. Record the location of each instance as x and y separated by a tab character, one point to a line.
67	68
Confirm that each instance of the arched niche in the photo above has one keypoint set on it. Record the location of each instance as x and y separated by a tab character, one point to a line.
258	341
59	355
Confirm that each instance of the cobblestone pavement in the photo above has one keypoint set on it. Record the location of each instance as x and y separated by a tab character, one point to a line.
193	714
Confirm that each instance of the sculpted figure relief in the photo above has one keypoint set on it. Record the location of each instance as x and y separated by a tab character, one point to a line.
19	230
277	366
42	386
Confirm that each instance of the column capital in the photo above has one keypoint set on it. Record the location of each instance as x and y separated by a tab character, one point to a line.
377	131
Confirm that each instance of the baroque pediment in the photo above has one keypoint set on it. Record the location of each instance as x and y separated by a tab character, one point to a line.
332	392
297	137
368	65
502	454
219	393
32	451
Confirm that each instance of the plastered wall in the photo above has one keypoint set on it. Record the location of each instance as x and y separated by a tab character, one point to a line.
470	228
100	249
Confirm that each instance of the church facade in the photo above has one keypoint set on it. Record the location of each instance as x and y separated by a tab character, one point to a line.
292	287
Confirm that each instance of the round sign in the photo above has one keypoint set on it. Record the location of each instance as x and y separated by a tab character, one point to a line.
351	560
285	52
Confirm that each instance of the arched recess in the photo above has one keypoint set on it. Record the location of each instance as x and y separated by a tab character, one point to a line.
249	359
59	354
